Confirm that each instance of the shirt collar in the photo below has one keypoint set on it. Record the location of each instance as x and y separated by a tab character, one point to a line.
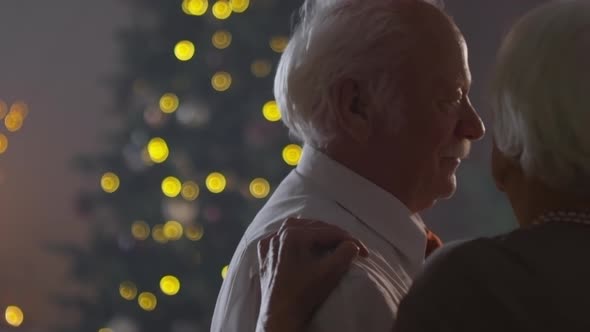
375	207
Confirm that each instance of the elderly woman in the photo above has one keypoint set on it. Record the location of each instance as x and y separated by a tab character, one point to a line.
533	279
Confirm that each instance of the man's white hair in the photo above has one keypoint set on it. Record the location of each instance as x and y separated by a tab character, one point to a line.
541	95
335	40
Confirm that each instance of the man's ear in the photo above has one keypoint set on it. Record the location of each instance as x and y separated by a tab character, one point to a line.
349	107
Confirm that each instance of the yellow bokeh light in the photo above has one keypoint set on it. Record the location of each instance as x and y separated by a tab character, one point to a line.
194	232
224	271
128	290
221	9
259	188
147	301
158	150
292	154
105	329
215	182
195	7
14	121
140	230
21	108
261	68
278	44
171	186
184	50
271	111
145	157
158	234
221	81
110	182
14	316
173	230
3	143
170	285
3	109
169	103
221	39
190	190
239	6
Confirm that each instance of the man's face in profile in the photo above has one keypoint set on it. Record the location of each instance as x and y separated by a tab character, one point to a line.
439	121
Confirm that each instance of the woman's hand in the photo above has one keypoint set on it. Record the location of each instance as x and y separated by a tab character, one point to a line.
300	265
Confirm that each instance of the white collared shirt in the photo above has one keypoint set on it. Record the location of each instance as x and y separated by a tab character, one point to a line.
367	298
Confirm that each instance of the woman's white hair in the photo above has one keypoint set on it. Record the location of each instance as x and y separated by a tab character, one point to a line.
541	95
336	40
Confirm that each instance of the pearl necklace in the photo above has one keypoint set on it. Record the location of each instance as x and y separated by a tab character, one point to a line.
578	217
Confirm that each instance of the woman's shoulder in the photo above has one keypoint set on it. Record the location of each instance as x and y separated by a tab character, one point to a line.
479	256
520	250
465	250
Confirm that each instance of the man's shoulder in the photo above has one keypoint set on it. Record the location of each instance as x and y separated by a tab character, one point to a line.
370	275
293	198
272	215
363	301
296	197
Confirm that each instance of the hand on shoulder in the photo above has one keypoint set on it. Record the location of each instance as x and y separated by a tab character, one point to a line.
300	265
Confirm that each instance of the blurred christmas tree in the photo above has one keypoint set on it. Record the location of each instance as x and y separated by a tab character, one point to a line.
198	146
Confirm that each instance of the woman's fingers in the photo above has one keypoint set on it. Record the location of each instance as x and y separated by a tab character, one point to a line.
336	264
317	234
323	251
263	246
274	251
330	237
327	273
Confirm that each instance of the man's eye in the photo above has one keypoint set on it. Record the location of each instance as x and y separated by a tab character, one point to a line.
456	103
448	105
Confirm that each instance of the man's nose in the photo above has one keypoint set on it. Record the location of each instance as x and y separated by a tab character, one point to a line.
470	125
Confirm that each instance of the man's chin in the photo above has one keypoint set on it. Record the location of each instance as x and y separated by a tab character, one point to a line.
449	188
442	190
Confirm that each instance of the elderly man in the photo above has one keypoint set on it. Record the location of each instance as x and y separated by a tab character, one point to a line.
535	278
378	91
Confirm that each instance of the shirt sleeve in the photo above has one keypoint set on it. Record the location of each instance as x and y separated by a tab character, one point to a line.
357	304
476	286
238	302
